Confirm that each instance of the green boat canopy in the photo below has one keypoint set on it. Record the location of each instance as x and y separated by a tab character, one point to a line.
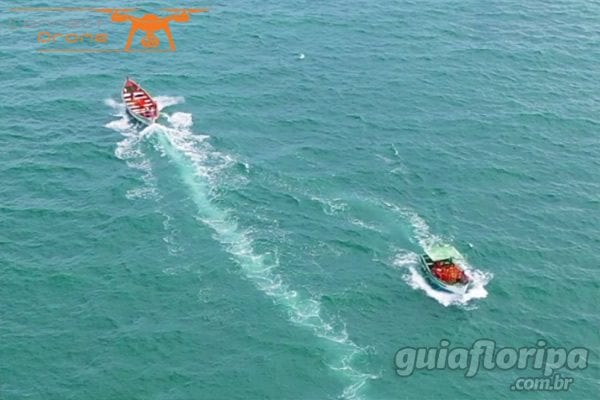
442	252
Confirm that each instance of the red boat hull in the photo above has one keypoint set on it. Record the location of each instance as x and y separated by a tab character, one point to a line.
140	105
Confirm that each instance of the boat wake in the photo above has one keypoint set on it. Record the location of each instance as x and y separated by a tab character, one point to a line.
168	101
200	167
409	262
129	151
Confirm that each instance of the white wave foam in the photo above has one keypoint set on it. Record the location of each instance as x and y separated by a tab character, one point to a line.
171	237
120	125
168	101
424	237
141	192
199	165
180	120
115	105
128	150
417	281
405	259
363	224
330	206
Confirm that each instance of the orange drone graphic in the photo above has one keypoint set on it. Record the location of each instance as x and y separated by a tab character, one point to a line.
150	23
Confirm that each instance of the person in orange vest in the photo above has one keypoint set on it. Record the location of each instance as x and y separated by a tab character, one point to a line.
437	269
448	274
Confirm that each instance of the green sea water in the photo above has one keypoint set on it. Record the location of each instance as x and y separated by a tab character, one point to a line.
261	240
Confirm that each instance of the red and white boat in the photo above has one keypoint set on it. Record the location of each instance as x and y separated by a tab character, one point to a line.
140	105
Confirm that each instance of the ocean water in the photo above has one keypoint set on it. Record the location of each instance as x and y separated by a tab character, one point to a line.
261	240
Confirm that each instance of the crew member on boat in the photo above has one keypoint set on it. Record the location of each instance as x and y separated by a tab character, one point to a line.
449	273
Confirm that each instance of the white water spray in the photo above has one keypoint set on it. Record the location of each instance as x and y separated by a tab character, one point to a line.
199	165
409	261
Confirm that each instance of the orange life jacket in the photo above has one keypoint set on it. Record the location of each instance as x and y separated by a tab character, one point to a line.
451	274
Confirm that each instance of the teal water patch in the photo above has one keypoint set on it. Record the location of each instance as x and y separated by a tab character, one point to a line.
199	165
136	267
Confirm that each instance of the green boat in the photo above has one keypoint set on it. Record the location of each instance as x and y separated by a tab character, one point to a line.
441	267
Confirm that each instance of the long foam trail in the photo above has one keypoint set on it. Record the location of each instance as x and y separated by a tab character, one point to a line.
409	261
199	165
198	162
129	150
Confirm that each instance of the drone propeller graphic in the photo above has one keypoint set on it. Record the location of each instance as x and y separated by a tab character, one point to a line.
150	23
